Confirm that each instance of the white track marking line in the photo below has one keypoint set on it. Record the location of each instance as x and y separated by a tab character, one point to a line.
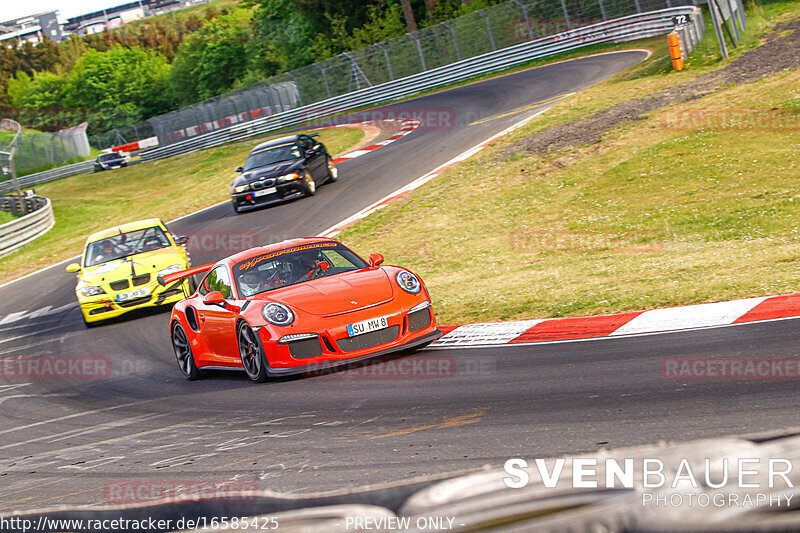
84	431
4	388
75	415
48	341
33	334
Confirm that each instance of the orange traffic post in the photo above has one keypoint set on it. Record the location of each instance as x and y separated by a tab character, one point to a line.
674	41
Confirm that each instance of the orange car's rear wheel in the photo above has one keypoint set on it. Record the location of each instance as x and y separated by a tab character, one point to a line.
253	359
183	352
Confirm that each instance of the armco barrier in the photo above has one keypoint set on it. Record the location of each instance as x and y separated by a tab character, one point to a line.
27	228
48	175
618	30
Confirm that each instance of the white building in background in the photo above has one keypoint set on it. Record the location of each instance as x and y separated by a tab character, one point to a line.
32	28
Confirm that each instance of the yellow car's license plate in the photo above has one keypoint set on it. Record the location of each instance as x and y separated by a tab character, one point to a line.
138	293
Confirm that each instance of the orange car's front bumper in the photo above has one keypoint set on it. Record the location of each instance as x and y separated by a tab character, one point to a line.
333	346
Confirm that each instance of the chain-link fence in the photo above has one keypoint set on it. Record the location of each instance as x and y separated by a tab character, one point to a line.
40	151
124	135
480	32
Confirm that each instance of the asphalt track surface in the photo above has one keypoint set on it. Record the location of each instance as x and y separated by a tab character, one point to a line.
72	441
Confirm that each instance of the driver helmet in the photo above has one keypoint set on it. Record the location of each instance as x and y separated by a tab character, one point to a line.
309	260
250	281
107	246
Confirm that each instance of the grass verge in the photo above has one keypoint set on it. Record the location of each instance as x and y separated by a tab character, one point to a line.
5	216
166	189
652	216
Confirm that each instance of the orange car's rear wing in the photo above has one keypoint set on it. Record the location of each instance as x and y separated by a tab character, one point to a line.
175	276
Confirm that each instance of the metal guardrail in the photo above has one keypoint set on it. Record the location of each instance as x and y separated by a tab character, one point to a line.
48	175
618	30
27	228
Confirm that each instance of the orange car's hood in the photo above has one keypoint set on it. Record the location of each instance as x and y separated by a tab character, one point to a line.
336	294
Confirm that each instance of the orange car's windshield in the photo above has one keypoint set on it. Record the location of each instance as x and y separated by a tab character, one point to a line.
294	265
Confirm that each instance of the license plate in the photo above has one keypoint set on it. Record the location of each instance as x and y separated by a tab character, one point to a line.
264	192
366	326
138	293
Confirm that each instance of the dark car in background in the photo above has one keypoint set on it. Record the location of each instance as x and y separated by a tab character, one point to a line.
282	169
110	161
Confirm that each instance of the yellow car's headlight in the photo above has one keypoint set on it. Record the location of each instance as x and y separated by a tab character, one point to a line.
91	291
169	270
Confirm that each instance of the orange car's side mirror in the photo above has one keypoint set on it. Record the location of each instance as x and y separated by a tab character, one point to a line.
214	298
375	260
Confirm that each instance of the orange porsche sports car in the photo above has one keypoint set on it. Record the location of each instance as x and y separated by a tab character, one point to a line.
297	306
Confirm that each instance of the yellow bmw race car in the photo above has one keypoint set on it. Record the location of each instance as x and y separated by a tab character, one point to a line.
120	267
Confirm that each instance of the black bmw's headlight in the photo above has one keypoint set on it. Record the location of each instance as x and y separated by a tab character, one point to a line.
408	282
277	314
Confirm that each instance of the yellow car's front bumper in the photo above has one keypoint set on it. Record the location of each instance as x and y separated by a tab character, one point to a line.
105	306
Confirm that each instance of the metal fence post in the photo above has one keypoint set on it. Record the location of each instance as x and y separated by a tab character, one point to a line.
455	39
742	16
388	62
602	10
638	6
527	20
324	78
734	9
715	20
415	37
566	14
296	84
489	26
12	147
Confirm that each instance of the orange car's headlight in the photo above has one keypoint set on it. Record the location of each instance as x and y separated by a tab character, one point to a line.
277	314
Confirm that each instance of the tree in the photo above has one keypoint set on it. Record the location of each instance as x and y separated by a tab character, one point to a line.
212	59
124	85
408	13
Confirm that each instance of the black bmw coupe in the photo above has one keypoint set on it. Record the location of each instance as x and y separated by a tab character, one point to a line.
282	169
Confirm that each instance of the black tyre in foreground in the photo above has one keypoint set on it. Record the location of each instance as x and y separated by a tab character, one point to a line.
183	353
253	359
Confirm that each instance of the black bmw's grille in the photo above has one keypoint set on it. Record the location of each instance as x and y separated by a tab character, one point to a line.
305	348
368	340
141	280
263	184
119	285
419	319
134	302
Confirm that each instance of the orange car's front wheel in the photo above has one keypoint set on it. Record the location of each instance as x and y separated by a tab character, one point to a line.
183	352
253	359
